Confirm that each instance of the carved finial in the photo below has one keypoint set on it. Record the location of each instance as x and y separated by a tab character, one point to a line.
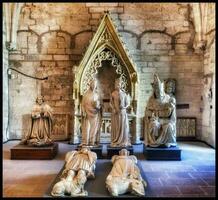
157	82
106	12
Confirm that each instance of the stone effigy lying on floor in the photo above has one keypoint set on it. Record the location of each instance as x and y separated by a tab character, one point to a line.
125	176
79	166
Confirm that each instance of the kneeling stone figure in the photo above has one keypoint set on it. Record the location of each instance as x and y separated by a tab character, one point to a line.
125	176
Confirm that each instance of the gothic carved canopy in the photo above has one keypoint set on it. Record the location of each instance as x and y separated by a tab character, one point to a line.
106	45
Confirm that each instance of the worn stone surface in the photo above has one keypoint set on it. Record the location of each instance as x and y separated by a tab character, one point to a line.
52	38
5	86
208	80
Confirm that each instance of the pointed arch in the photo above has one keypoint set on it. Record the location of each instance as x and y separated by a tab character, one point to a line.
105	52
106	37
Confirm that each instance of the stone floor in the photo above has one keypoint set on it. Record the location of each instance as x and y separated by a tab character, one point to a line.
194	176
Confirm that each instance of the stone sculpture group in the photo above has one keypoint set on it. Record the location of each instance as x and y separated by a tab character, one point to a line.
159	131
159	120
80	165
92	112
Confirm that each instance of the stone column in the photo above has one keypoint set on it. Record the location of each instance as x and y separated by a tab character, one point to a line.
5	86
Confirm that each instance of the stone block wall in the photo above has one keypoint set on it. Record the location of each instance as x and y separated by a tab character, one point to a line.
53	37
208	92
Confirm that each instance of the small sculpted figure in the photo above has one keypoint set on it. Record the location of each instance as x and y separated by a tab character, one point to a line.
91	116
79	166
125	176
119	102
41	125
170	87
160	117
72	185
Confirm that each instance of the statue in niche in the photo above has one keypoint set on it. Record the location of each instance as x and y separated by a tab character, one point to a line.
170	87
119	102
91	116
125	175
41	125
160	117
79	166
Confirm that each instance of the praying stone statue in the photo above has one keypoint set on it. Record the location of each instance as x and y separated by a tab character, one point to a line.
170	87
125	175
160	117
91	116
79	166
119	102
41	125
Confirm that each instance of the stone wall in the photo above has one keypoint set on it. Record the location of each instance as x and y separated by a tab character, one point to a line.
208	93
5	87
52	38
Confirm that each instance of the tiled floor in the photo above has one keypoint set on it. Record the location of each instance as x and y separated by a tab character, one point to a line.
194	176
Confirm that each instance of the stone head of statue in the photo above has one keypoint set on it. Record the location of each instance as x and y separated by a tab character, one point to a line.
40	100
170	86
158	87
124	152
118	83
71	173
84	150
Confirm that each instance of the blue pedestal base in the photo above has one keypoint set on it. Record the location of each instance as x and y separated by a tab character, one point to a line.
157	153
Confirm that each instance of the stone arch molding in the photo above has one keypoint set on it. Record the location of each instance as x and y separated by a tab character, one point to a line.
106	45
105	54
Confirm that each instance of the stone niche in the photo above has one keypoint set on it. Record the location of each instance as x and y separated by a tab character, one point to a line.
106	76
105	59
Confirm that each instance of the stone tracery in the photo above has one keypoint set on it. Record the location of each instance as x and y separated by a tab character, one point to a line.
97	62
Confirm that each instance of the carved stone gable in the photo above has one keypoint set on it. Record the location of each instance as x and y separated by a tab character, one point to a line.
106	45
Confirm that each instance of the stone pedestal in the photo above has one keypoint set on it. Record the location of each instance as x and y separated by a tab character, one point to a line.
157	153
115	150
24	152
97	150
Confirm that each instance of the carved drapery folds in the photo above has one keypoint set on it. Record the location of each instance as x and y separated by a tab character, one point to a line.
105	47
